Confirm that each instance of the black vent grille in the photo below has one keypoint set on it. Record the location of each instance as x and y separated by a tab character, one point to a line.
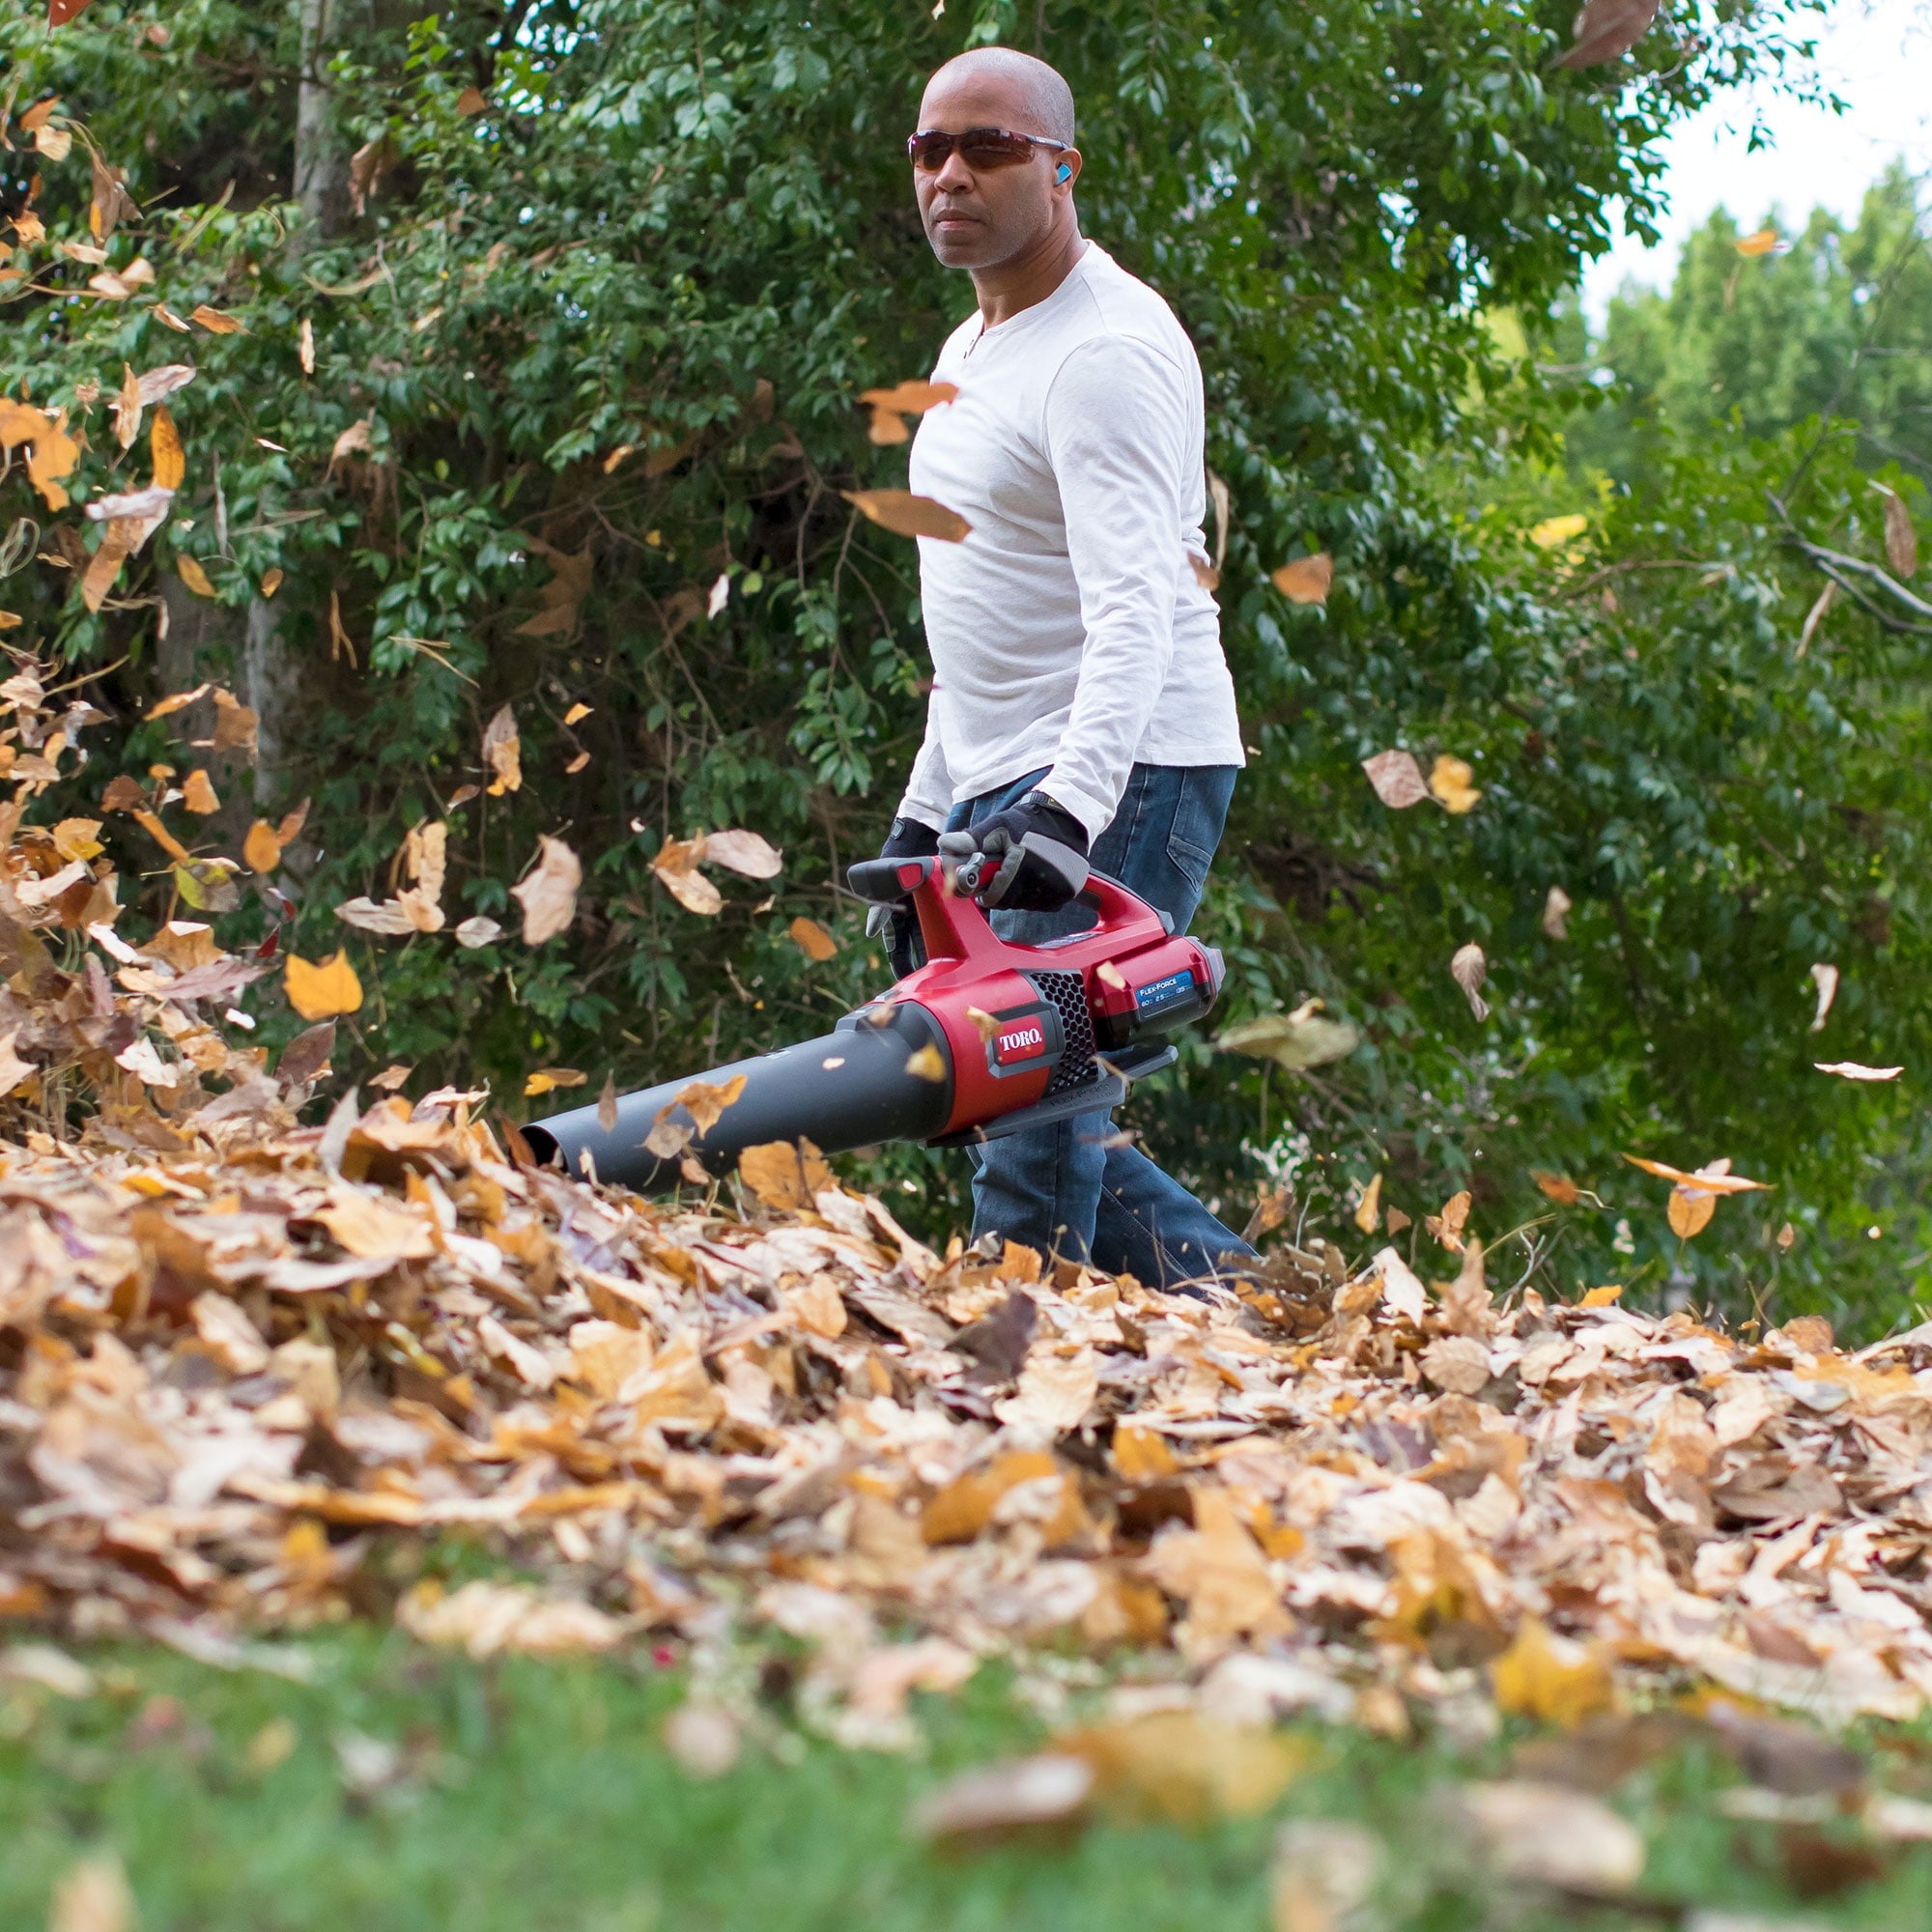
1068	992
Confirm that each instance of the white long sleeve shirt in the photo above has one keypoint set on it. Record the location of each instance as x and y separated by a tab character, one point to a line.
1068	629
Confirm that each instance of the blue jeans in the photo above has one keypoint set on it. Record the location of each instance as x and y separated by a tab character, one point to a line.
1062	1188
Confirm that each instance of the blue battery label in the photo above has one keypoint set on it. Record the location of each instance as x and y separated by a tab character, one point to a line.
1160	994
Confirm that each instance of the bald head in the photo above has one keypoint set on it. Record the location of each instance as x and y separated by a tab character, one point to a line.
1043	101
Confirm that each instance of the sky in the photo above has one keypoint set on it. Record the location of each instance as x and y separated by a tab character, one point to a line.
1876	54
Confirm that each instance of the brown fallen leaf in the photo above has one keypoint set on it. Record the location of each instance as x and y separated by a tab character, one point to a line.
1715	1177
1322	1874
1308	579
1556	907
606	1103
190	573
547	893
1604	29
1552	1678
1549	1834
165	455
1369	1208
1181	1768
1560	1189
813	940
1901	540
1763	242
471	100
909	515
549	1079
318	990
927	1062
706	1101
1044	1797
216	322
198	793
1397	779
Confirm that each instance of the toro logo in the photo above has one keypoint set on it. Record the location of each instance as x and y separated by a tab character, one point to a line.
1024	1041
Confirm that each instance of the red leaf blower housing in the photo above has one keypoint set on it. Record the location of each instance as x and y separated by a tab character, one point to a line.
986	1039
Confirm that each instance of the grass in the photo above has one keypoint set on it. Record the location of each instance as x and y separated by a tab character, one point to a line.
537	1797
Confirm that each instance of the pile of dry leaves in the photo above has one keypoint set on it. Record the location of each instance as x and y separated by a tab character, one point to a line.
242	1359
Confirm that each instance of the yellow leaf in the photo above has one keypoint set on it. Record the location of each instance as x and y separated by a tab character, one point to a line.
783	1175
215	323
1142	1455
1760	243
691	889
1555	530
190	573
1549	1678
1715	1177
164	451
577	714
811	939
891	407
1368	1210
1563	1191
1449	780
271	582
547	1079
1690	1212
927	1064
10	620
198	793
705	1100
503	751
910	516
319	991
1307	580
1602	1297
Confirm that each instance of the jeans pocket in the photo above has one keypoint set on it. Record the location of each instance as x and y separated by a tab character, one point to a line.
1200	810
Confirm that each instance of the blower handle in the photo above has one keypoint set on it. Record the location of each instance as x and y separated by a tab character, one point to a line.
953	924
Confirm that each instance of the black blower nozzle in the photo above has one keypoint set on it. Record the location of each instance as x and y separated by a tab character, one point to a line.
848	1088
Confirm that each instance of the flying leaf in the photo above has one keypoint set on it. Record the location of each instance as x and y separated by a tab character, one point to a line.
271	582
1688	1211
689	887
1815	616
813	940
1369	1208
198	794
1307	580
568	586
1763	242
322	989
190	573
93	1893
1295	1041
549	1079
910	516
606	1103
305	345
891	408
1901	540
116	545
1604	29
502	752
706	1101
548	895
1556	906
1560	1189
1715	1177
927	1064
477	930
745	853
262	849
1469	969
471	100
52	453
1851	1070
353	440
135	506
720	593
783	1175
1397	779
1826	978
1449	780
165	453
577	714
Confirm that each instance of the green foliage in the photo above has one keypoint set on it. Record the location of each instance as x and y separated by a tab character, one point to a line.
620	316
1839	323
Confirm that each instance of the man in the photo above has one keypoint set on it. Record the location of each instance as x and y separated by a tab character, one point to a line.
1080	693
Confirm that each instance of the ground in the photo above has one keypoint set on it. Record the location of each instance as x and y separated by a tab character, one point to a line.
405	1788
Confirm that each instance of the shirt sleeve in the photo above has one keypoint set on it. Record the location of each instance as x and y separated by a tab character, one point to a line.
928	792
1116	431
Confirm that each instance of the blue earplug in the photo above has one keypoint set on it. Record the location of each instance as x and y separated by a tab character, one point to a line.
1064	172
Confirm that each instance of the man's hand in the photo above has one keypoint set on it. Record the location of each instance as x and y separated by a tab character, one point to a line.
909	838
1036	852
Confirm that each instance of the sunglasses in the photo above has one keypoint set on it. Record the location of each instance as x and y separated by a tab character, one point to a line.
979	148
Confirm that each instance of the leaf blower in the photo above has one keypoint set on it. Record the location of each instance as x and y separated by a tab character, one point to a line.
984	1039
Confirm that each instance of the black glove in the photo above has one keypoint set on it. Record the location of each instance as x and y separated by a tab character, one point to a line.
897	925
1035	856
